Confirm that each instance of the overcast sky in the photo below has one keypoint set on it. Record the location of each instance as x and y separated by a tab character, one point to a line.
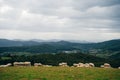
90	20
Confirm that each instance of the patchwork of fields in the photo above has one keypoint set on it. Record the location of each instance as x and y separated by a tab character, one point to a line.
58	73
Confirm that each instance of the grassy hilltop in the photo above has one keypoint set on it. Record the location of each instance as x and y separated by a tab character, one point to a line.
58	73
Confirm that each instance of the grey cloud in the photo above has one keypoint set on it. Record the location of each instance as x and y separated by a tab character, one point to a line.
53	7
86	4
66	16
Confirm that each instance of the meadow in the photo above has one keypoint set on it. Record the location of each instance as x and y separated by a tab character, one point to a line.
58	73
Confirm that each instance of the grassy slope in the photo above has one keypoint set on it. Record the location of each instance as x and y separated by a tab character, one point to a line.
58	73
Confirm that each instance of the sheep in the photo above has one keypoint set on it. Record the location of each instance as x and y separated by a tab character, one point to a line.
7	65
91	65
22	63
63	64
76	65
37	64
106	65
118	67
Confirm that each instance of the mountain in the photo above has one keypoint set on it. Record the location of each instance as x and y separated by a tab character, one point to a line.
32	42
102	49
80	41
113	45
108	50
13	43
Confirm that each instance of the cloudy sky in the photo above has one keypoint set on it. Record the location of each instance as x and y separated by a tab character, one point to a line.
90	20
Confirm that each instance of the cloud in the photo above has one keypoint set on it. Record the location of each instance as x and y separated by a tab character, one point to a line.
80	19
86	4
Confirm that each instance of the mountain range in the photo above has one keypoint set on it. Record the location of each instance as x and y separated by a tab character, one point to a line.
101	49
59	50
19	42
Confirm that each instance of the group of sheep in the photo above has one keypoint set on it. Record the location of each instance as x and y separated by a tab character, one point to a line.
22	63
106	65
84	65
63	64
39	64
7	65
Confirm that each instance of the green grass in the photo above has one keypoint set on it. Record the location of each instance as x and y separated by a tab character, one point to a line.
58	73
5	58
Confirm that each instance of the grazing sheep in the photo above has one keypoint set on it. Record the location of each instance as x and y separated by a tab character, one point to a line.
3	66
106	65
7	65
102	66
47	65
37	64
22	63
86	65
91	65
76	65
63	64
118	67
81	64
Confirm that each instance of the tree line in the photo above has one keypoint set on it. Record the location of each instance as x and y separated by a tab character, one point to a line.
55	59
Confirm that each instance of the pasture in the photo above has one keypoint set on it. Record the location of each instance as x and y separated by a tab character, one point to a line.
58	73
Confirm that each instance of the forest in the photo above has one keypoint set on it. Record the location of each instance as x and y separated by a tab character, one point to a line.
55	59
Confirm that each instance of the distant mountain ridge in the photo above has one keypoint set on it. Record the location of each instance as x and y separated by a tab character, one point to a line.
107	51
111	44
106	47
32	42
13	43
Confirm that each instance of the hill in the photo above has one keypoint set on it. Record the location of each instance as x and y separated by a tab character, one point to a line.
98	53
102	49
18	43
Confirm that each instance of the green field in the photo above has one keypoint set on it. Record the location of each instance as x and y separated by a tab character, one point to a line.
58	73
